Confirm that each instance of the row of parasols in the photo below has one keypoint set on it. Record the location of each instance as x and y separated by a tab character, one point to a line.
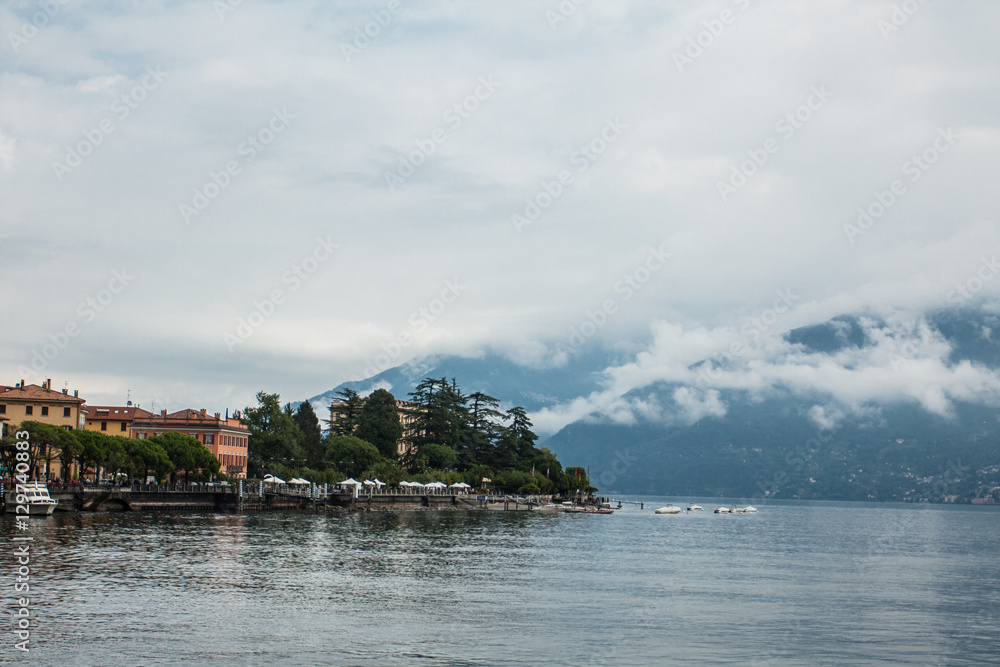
461	487
376	483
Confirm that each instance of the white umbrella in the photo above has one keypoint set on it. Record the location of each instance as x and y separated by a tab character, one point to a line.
379	483
298	481
273	480
368	482
459	485
350	481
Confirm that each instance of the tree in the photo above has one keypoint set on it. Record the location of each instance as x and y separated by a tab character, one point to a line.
442	417
147	455
348	412
185	453
274	437
379	424
69	450
312	435
116	457
91	452
351	455
439	456
43	443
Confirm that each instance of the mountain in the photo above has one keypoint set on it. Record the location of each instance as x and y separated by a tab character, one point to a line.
781	443
493	374
861	407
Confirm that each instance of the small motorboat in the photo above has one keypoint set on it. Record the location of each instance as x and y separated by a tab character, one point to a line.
36	499
668	509
749	509
598	510
721	510
695	508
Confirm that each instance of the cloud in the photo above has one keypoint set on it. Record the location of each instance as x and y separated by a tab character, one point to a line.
656	185
904	360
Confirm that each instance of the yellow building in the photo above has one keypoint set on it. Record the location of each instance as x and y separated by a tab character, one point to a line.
113	419
31	402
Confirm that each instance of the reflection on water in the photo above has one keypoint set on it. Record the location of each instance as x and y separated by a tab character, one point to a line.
797	583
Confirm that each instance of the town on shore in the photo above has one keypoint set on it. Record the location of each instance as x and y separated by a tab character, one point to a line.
438	436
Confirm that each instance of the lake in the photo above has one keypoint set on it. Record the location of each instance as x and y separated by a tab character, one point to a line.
796	583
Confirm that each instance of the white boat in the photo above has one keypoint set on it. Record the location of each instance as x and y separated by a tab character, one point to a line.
668	509
36	498
722	510
695	508
749	509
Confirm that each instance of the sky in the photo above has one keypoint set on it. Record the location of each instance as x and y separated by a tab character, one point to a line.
202	200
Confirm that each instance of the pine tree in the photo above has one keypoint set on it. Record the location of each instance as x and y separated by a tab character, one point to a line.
312	435
378	423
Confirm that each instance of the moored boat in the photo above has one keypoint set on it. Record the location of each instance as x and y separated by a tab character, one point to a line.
721	510
695	508
36	499
667	509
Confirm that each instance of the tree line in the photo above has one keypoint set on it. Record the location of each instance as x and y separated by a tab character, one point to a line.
450	437
102	455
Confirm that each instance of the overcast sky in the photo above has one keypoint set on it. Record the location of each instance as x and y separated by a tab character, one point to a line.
200	200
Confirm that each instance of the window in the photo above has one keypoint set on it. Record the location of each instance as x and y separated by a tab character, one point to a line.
66	412
3	409
208	439
29	410
104	426
45	411
124	426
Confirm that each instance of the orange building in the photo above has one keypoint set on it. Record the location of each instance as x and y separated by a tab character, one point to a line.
111	419
226	438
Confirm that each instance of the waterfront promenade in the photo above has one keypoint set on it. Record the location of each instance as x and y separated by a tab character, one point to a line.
214	497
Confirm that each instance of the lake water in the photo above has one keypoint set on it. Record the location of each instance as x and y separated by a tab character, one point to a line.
796	583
